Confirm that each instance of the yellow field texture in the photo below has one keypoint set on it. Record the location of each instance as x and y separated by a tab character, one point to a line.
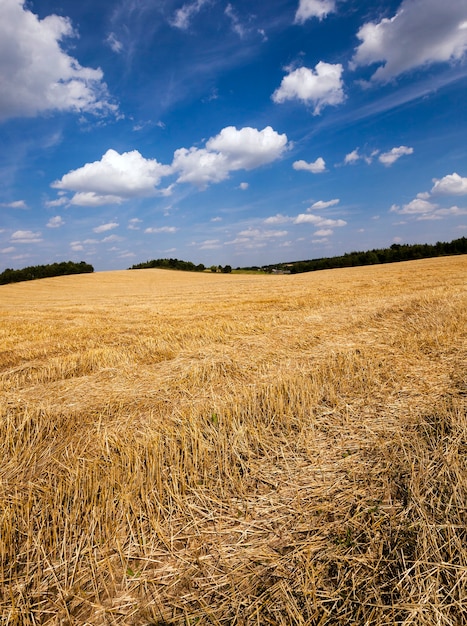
183	448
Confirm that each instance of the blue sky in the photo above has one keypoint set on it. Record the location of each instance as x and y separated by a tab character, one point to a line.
241	132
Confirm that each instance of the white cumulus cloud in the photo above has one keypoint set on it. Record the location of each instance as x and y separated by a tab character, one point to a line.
320	87
133	223
55	222
324	232
318	221
58	202
440	214
36	75
113	179
316	167
324	204
314	8
416	206
119	177
200	166
91	199
278	219
422	32
388	158
421	208
26	236
16	204
248	147
230	150
352	157
450	185
257	233
105	227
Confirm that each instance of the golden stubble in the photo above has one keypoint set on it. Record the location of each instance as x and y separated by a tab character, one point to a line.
235	449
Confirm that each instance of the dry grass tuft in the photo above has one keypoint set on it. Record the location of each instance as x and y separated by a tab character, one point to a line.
211	449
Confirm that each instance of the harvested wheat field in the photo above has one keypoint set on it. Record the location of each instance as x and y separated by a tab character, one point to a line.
233	449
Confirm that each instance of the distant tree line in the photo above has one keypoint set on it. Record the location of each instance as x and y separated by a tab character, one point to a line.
45	271
177	264
397	252
170	264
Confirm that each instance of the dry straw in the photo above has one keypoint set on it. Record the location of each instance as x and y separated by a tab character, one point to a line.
225	449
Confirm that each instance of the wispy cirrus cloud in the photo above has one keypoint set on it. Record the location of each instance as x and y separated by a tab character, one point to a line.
208	244
252	238
115	44
160	229
237	26
184	15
